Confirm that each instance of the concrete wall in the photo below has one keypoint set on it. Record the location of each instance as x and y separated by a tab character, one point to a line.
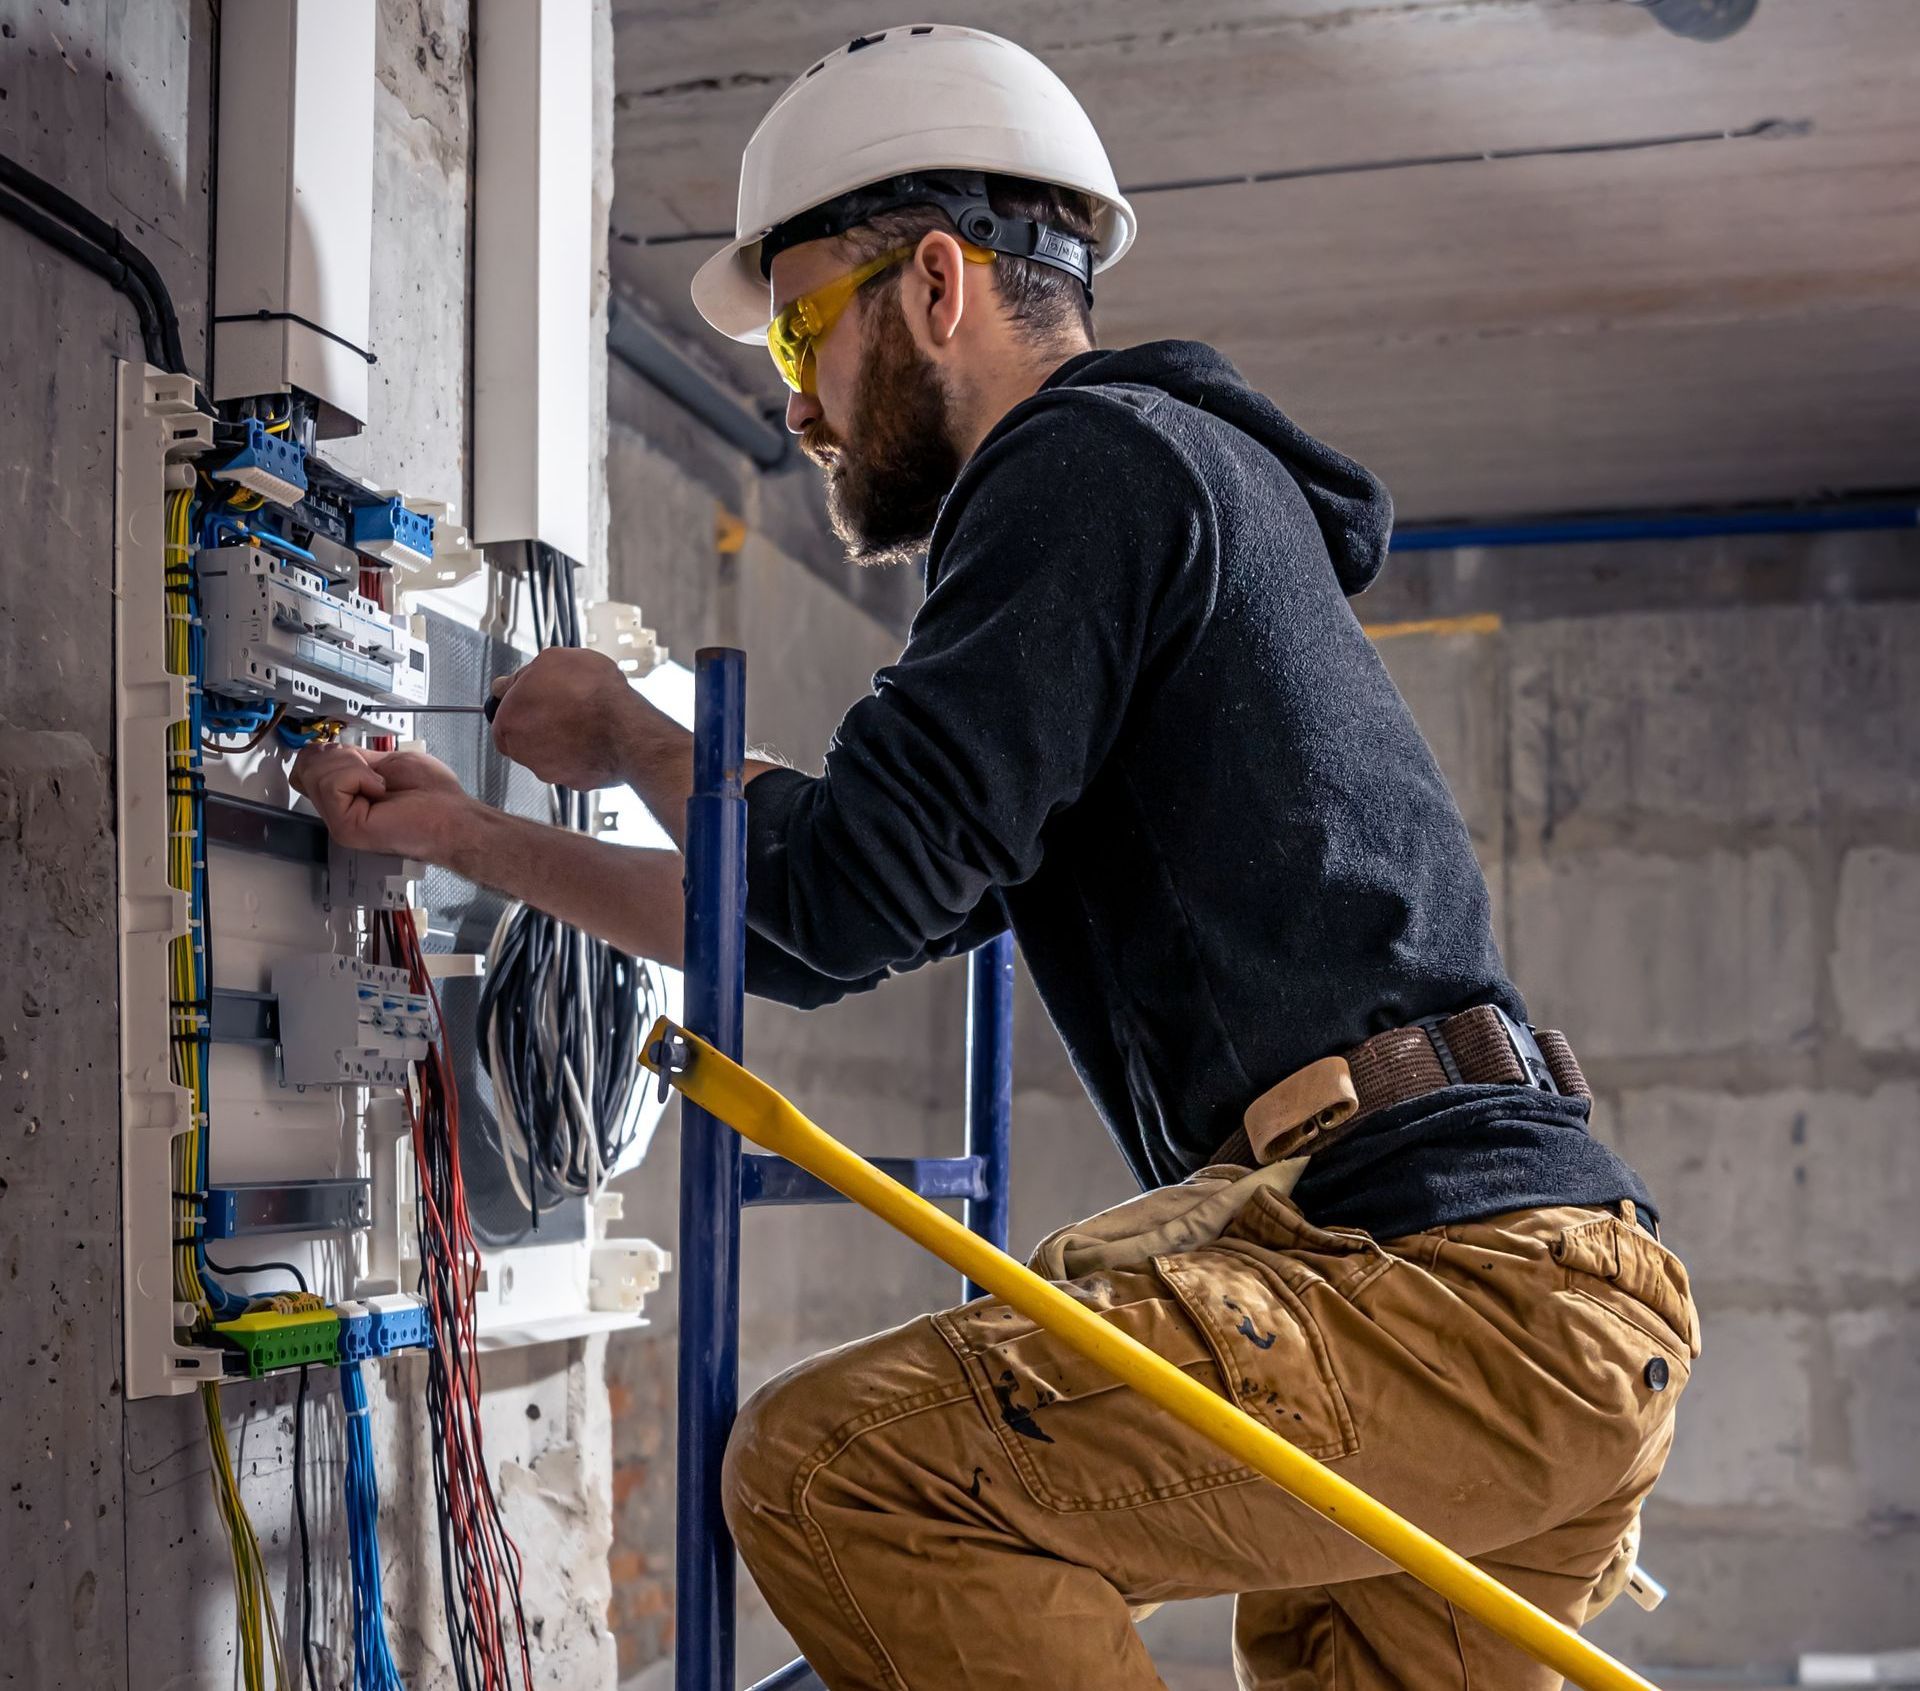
112	1563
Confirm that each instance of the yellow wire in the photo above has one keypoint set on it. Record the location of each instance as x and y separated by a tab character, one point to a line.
253	1597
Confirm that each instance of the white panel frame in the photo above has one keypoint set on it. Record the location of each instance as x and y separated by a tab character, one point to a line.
533	272
267	908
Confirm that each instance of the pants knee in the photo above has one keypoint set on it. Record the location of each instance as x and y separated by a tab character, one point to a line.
763	1456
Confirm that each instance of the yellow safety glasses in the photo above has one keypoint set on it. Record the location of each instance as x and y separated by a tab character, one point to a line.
808	320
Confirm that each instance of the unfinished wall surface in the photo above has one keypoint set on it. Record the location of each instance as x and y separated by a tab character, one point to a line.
1704	840
112	1564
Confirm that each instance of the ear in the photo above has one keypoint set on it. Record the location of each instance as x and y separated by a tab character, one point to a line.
933	292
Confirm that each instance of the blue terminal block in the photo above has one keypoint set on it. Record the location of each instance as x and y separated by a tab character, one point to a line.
379	1326
356	1331
393	534
269	465
399	1323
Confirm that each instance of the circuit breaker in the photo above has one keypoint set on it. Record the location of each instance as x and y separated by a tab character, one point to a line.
276	630
344	1022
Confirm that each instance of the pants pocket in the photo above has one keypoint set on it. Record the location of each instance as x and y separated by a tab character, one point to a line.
1635	1279
1078	1439
1268	1346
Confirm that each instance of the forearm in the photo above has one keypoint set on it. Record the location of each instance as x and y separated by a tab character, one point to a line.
626	895
659	768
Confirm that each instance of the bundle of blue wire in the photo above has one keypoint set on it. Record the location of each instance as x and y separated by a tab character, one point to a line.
373	1665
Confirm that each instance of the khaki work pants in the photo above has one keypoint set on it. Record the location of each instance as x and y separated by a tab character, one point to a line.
964	1501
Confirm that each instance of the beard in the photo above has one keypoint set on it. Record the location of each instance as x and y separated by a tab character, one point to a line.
886	480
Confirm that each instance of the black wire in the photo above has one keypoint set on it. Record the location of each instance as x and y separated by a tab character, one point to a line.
299	1279
84	252
105	236
300	1515
608	998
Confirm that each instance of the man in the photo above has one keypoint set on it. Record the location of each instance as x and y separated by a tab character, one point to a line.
1137	721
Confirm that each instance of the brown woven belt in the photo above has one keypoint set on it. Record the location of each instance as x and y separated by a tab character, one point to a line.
1326	1100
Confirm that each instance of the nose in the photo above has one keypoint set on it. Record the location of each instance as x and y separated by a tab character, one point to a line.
802	409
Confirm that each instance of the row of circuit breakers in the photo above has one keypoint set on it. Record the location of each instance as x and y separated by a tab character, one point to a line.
279	630
276	629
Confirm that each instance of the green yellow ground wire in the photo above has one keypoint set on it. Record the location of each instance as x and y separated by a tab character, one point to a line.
259	1626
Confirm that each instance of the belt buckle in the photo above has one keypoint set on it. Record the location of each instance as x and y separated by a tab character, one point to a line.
1520	1040
1527	1049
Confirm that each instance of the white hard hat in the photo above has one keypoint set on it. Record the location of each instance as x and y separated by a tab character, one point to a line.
919	98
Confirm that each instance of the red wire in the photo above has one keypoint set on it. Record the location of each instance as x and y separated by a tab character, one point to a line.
488	1556
373	585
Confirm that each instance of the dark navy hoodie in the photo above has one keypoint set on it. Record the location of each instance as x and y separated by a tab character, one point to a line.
1137	720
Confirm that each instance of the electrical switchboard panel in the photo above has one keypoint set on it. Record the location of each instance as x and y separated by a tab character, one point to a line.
297	1016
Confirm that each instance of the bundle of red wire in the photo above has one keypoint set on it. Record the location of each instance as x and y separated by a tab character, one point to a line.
373	585
479	1564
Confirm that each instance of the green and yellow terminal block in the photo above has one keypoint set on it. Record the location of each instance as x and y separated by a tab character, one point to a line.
272	1339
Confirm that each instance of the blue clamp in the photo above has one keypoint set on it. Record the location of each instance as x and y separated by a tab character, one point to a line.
392	533
270	465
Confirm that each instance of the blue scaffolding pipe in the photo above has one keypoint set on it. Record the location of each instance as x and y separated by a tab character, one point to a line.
709	1384
1659	525
717	1181
990	1089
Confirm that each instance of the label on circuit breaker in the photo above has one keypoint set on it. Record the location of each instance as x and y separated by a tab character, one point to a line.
276	631
348	1023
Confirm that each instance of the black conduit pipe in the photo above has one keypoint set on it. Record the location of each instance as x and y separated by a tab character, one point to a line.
61	221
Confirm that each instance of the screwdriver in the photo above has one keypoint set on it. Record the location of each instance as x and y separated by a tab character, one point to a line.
489	710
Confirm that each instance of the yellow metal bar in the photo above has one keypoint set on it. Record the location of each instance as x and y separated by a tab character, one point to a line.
753	1109
1486	622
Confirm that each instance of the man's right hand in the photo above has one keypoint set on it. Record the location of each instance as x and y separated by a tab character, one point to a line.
405	803
571	717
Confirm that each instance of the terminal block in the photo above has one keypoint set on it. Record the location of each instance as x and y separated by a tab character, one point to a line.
393	534
276	631
348	1023
269	465
379	1326
271	1339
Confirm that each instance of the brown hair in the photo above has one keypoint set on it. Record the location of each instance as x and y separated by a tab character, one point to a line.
1044	302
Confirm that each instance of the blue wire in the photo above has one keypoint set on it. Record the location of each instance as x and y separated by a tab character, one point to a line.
373	1664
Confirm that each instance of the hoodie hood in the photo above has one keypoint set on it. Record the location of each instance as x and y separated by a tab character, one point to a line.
1353	510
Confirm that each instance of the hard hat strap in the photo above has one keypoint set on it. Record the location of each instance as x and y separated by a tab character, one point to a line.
962	195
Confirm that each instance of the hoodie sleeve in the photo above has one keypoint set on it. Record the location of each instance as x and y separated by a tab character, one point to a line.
1071	553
